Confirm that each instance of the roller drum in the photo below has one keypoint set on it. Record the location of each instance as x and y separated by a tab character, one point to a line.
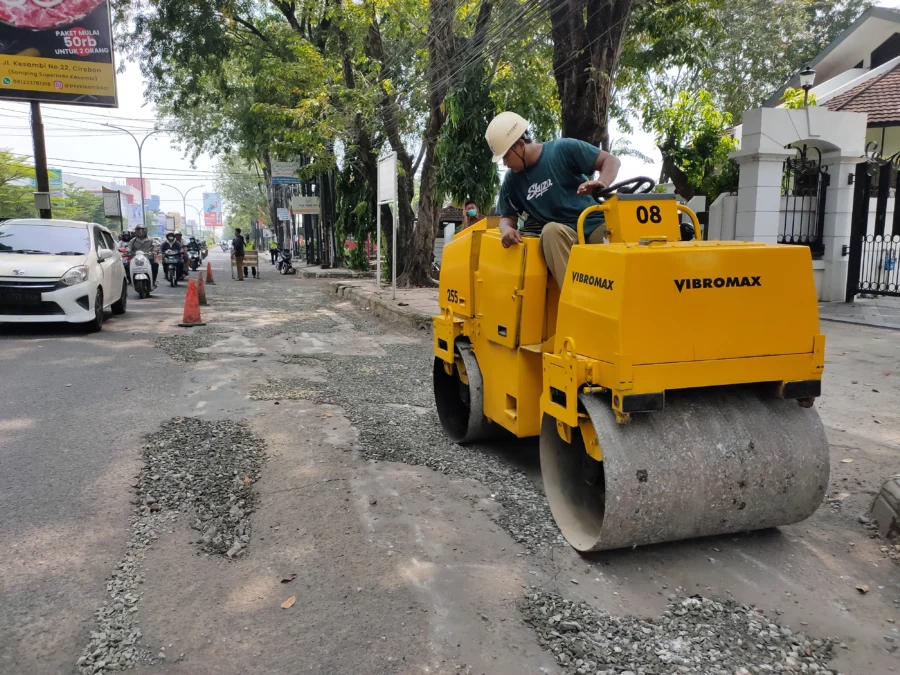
714	461
460	406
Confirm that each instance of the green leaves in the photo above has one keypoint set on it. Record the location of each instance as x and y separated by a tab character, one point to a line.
465	169
793	99
691	134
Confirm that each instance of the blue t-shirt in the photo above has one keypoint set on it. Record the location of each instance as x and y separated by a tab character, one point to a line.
548	190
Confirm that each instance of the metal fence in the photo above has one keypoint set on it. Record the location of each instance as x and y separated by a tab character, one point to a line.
875	244
804	183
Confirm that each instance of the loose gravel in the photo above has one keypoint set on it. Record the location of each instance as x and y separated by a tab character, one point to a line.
694	635
183	348
193	467
291	389
390	401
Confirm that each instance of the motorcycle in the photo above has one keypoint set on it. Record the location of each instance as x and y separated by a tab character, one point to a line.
142	274
204	251
283	262
171	262
193	259
126	261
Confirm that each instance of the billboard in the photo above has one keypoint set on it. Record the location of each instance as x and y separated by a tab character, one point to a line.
135	215
212	209
59	52
285	173
300	204
55	177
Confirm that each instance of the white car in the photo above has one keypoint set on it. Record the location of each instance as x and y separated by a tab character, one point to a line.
59	270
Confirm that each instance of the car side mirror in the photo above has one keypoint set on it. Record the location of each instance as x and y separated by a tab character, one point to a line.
105	254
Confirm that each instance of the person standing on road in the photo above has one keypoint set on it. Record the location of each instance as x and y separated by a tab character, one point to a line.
553	183
141	242
249	246
237	248
273	249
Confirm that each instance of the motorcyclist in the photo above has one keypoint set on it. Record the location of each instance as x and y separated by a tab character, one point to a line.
172	244
124	238
193	245
184	258
141	242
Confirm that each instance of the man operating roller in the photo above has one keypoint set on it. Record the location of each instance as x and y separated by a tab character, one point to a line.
552	183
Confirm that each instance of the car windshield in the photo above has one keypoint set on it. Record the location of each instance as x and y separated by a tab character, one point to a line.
44	239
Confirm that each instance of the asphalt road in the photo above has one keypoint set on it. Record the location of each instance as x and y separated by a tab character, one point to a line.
398	568
73	409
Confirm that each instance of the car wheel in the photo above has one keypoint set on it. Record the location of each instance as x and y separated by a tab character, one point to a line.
120	306
95	325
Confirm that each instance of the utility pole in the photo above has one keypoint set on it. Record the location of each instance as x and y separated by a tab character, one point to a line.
40	156
140	145
183	197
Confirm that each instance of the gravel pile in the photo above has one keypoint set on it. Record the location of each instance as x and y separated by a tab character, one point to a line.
694	635
208	469
205	469
390	401
291	389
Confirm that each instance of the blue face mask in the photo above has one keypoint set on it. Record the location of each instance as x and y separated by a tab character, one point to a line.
472	213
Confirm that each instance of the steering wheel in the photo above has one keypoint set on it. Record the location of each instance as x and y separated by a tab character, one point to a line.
627	187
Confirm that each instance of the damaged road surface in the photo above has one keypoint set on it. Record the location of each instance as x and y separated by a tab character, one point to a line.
291	505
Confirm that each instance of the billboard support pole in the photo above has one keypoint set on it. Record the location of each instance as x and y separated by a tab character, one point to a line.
40	154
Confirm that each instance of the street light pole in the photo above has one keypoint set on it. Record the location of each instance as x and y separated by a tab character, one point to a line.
199	217
183	197
140	145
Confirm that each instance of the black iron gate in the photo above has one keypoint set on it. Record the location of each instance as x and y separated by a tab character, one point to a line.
873	268
804	183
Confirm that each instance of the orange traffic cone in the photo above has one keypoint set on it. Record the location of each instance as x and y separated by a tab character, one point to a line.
201	289
209	277
191	307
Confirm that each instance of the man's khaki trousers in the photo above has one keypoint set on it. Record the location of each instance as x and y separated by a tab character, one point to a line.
557	241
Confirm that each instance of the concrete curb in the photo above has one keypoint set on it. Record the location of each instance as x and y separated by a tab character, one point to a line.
344	274
382	307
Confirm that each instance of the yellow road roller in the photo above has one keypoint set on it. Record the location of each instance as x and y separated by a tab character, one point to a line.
671	382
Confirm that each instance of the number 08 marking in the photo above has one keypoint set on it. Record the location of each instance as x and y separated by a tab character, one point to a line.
653	215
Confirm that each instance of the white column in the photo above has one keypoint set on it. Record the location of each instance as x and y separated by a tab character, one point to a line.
836	226
759	195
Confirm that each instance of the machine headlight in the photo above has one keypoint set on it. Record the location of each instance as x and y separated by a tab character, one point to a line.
76	275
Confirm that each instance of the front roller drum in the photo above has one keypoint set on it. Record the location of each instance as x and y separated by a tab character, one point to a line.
714	461
459	397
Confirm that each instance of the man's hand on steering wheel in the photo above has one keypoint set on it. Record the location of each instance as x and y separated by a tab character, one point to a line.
591	186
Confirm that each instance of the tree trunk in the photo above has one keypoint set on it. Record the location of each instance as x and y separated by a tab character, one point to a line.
441	47
587	43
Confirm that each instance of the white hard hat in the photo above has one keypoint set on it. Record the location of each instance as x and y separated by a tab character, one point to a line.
503	131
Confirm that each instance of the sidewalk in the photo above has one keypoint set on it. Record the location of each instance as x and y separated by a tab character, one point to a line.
413	306
882	312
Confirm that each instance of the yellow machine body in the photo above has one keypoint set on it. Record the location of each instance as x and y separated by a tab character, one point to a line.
638	316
